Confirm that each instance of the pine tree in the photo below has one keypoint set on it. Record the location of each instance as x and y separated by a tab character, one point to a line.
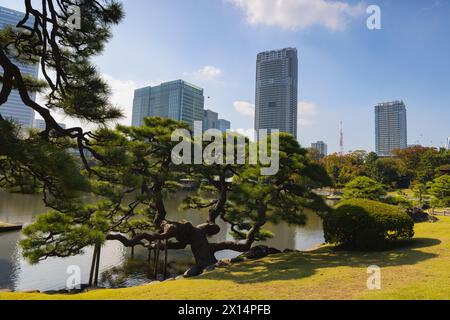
71	84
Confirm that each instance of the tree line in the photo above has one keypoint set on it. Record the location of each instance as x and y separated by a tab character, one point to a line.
424	170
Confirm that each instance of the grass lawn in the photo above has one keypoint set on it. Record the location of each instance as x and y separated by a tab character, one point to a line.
419	270
409	193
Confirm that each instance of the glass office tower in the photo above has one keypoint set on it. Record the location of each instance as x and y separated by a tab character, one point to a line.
210	120
178	100
390	127
223	125
277	90
14	109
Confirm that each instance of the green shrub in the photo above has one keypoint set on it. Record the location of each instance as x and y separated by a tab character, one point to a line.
440	191
398	200
364	188
366	225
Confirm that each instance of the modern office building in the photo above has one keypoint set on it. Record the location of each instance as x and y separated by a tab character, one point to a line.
390	127
40	124
210	120
448	143
321	147
223	125
277	90
14	109
178	100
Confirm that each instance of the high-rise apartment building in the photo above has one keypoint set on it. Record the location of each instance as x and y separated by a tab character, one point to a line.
178	100
14	109
390	127
321	147
277	91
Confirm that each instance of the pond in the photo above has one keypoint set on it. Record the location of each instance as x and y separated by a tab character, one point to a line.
117	267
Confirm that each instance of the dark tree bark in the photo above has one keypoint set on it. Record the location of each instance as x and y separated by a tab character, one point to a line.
194	236
165	259
97	267
187	234
91	273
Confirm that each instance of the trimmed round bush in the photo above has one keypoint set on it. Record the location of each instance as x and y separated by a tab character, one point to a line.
366	225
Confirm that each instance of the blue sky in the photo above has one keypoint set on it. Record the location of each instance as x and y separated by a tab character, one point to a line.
344	70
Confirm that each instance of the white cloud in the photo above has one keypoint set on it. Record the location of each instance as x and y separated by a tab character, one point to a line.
299	14
208	73
306	113
307	109
245	108
122	93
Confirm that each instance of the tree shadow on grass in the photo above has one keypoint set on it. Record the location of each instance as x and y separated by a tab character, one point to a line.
305	264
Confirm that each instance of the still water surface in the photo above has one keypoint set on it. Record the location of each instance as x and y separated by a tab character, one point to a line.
117	269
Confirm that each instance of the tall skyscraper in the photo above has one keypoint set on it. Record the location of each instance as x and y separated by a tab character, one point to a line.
14	109
390	127
277	90
321	147
448	143
178	100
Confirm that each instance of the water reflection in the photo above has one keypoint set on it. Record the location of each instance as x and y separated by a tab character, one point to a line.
116	267
138	270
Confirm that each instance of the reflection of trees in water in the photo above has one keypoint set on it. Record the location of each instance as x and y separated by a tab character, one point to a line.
286	237
19	208
9	255
297	238
138	270
311	235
